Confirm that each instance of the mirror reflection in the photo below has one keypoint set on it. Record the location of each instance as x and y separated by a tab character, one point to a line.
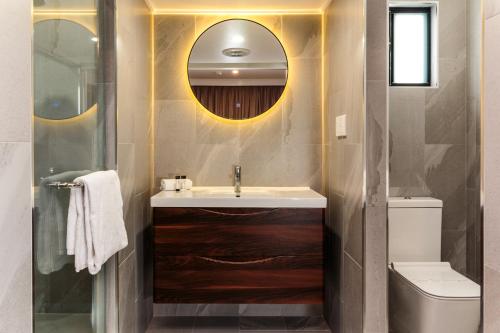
238	69
65	69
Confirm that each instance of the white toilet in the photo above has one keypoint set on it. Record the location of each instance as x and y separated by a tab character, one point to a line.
426	295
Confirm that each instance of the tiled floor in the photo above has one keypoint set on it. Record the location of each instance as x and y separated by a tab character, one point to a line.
237	324
63	323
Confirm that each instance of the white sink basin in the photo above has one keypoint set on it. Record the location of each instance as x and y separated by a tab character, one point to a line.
251	197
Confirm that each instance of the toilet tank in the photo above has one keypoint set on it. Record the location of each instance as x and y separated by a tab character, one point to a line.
415	229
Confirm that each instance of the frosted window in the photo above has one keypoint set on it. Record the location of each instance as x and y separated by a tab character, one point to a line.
410	46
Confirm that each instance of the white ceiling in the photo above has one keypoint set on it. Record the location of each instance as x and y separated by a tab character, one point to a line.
76	5
197	5
238	5
263	45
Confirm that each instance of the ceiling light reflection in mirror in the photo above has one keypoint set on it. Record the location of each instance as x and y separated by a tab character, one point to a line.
238	69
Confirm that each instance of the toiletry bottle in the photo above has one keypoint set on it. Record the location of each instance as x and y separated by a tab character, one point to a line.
178	184
183	182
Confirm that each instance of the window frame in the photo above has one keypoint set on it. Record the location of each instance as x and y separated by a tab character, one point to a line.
418	10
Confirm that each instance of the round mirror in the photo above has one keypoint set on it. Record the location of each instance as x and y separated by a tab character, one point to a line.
65	69
238	69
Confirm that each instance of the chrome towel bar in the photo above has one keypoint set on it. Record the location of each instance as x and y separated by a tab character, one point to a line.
60	185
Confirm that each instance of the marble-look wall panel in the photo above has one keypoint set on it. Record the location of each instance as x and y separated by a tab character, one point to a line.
127	295
133	30
407	140
353	202
344	94
429	131
491	171
15	167
352	285
473	140
375	302
15	231
288	140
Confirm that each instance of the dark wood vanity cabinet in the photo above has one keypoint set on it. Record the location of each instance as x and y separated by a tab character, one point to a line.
238	255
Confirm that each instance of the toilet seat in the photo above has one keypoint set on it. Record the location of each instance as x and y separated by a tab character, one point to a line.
431	297
437	279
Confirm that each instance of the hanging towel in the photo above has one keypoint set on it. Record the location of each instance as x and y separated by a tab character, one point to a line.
96	230
50	229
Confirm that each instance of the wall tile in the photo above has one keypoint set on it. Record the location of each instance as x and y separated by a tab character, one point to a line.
303	36
126	163
446	107
406	137
142	213
376	40
491	300
491	175
16	108
352	311
174	38
15	237
491	8
211	131
452	28
127	295
353	203
272	22
302	106
344	94
375	268
376	150
135	129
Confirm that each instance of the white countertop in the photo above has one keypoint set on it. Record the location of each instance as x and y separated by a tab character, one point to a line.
251	197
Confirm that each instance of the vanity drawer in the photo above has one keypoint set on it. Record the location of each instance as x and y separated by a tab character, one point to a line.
278	280
225	232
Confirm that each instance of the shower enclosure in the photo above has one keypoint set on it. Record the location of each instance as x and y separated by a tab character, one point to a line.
74	134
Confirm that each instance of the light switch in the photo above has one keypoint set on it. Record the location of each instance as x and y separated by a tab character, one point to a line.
341	126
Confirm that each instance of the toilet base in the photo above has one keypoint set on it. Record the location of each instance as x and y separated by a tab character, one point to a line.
414	311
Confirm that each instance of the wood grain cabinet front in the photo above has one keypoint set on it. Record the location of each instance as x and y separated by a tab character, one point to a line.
227	255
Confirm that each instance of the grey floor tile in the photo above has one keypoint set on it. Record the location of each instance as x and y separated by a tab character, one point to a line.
216	324
172	325
60	323
237	325
265	331
306	324
262	323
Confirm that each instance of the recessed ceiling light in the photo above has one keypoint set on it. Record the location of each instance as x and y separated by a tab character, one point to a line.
236	72
236	52
94	39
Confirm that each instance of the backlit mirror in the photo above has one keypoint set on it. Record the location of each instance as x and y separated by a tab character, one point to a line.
65	69
238	69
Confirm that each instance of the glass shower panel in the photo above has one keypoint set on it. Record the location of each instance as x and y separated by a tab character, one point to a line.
70	125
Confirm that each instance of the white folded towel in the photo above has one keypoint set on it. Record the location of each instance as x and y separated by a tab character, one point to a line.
96	230
50	229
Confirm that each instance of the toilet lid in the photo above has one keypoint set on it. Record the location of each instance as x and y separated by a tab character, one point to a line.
438	279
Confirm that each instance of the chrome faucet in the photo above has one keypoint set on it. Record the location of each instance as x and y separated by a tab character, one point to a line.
237	180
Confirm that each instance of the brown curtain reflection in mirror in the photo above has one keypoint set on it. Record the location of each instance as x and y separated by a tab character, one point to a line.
238	102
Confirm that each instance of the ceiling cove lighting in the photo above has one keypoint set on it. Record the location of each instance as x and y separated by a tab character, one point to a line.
242	12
